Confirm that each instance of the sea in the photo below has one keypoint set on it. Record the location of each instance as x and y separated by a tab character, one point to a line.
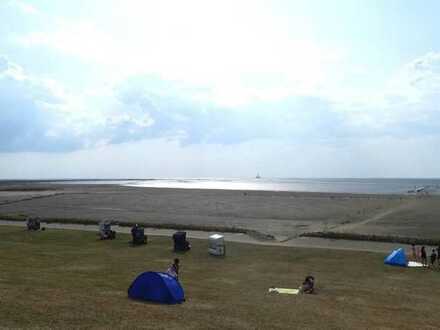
333	185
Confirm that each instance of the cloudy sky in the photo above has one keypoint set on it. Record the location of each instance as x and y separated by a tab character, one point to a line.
132	89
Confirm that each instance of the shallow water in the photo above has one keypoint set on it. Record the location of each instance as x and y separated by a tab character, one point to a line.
367	186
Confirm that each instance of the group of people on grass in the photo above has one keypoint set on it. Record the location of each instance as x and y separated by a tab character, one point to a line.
422	256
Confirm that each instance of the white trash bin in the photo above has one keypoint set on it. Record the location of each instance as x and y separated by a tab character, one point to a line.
217	245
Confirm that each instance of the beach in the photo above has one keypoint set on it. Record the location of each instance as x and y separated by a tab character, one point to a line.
73	273
284	215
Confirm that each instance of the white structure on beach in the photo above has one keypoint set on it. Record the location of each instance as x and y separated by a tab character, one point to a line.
217	245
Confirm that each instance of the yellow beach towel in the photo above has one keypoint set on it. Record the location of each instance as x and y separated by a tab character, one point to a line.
284	290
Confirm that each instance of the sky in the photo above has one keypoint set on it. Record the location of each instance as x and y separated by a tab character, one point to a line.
141	89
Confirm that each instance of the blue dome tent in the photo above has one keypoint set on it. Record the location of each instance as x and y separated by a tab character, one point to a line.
157	287
397	258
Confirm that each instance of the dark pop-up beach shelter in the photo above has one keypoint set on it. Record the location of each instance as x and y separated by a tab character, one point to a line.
397	258
157	287
180	242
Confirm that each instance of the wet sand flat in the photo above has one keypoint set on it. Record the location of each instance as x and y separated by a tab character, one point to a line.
284	214
418	218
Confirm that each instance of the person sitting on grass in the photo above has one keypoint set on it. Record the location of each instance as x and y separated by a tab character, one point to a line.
308	285
33	223
173	270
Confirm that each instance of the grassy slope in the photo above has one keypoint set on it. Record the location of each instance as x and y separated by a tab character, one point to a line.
67	279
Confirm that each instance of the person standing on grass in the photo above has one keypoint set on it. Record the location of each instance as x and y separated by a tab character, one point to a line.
438	255
423	256
413	250
433	257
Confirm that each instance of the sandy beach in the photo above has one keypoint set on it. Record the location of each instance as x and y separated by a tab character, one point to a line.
282	214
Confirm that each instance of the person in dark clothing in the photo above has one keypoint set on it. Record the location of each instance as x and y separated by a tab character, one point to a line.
433	257
134	228
308	285
133	232
438	255
423	256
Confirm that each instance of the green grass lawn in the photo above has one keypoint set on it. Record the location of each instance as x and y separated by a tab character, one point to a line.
69	279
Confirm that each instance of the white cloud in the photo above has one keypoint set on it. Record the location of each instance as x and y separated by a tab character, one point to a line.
40	114
148	106
195	76
222	46
418	79
407	101
81	38
24	7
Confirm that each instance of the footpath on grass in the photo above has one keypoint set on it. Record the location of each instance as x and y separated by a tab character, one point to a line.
304	242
